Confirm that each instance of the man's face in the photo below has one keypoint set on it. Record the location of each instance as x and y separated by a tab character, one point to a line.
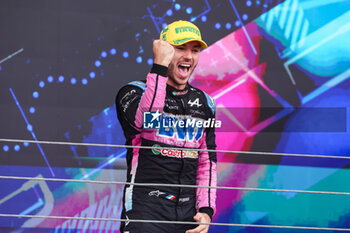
184	62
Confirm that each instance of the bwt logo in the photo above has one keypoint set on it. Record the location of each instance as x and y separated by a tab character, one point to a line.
170	126
151	120
179	126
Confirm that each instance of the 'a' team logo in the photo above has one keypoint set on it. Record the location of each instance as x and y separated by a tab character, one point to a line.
195	102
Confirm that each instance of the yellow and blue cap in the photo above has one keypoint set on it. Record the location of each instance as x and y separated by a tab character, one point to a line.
181	32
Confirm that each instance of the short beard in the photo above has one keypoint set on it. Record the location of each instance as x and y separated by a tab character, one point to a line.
170	72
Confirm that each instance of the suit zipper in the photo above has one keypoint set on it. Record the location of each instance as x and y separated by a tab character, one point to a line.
182	158
181	151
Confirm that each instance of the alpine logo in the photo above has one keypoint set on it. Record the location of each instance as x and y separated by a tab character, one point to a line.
195	102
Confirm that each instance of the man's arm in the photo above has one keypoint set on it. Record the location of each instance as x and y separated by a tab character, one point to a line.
136	98
153	96
206	176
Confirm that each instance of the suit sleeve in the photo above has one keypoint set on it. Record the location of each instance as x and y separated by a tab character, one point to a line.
137	97
206	172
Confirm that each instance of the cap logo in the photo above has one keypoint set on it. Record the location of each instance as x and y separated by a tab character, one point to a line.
164	33
187	29
181	32
181	41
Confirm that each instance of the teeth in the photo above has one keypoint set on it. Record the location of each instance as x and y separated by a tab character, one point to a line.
185	65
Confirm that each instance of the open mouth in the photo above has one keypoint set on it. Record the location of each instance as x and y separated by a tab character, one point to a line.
184	69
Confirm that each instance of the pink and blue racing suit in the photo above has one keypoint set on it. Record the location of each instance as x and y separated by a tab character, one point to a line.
162	165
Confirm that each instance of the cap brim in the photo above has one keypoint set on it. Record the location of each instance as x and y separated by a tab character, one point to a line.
202	43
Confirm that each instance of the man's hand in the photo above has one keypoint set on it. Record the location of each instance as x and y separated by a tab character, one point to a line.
201	218
163	52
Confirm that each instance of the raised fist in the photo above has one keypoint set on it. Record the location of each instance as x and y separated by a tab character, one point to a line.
163	52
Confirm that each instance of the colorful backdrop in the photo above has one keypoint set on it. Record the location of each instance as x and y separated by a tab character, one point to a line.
278	70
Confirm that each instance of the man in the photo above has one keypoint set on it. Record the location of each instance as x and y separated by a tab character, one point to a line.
166	95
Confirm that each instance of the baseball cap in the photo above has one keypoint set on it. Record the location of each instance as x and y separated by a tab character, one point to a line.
181	32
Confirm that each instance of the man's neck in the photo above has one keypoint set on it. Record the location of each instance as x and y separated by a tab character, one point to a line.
176	86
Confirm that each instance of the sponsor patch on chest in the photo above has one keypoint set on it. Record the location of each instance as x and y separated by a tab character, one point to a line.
157	150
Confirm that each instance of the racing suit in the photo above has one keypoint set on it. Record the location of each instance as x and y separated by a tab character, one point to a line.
166	166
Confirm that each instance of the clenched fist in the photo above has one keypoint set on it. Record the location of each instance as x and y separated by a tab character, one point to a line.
163	52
